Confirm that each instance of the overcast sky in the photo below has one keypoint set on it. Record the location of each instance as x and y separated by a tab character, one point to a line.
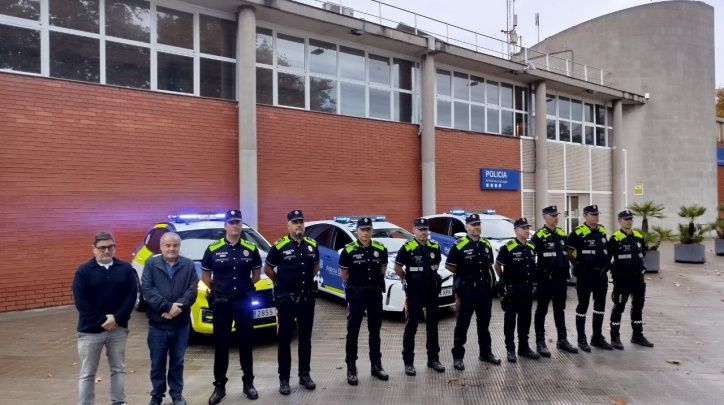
489	16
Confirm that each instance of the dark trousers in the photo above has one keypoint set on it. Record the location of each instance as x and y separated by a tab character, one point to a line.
479	301
357	304
551	289
238	311
303	313
623	287
520	307
596	284
416	300
167	345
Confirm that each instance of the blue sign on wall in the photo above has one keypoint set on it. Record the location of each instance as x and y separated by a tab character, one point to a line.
720	156
499	179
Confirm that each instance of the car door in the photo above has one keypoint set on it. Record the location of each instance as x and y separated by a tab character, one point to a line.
329	278
440	232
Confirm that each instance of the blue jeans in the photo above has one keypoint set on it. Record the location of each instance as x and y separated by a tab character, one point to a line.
167	344
90	346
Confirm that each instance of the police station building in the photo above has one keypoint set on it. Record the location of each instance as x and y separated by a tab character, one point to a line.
116	113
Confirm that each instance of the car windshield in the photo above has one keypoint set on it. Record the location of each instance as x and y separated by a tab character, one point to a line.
392	233
195	241
497	229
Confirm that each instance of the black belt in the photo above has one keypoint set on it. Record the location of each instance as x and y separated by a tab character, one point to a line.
356	289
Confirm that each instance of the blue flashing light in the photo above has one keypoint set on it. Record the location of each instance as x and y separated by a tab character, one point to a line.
195	217
489	211
342	220
255	303
353	218
380	218
457	212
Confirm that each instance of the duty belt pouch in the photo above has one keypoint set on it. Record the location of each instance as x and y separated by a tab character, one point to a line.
215	298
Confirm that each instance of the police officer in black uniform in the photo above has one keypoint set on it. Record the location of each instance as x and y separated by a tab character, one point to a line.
362	266
235	264
471	260
517	258
553	275
296	259
587	251
420	258
626	251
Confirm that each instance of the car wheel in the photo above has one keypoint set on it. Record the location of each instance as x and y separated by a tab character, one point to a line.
195	338
140	305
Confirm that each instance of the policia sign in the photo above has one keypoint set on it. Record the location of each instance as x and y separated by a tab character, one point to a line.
499	179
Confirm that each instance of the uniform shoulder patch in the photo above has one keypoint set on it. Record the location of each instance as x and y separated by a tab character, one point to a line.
602	229
281	242
377	245
432	243
511	244
486	242
311	241
410	244
637	234
560	232
461	242
216	244
248	244
542	233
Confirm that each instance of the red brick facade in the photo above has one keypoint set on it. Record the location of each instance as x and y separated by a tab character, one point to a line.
720	177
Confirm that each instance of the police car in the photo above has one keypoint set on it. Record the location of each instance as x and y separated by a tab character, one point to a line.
197	232
332	236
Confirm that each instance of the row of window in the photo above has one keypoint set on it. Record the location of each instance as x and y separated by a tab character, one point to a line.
571	120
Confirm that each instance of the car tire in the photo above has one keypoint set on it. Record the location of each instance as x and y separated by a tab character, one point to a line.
140	304
195	338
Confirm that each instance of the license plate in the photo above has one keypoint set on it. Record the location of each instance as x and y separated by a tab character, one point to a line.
446	292
264	313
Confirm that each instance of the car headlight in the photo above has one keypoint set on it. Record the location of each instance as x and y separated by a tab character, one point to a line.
391	275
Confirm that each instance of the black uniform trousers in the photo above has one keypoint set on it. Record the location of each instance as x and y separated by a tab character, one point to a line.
596	283
357	303
426	297
238	311
300	308
520	306
477	299
623	287
554	289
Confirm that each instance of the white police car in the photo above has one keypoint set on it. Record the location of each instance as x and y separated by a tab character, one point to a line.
333	235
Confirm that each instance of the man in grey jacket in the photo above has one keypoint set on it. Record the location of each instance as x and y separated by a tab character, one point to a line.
169	285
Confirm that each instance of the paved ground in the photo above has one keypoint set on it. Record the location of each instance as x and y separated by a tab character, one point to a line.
684	315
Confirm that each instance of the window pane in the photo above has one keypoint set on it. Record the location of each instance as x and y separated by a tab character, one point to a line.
74	57
323	95
380	104
506	122
576	110
477	89
600	115
351	64
379	69
29	9
576	132
551	129
550	105
128	65
564	131
564	108
174	28
588	112
264	86
600	136
493	121
218	36
175	73
291	90
19	49
462	116
264	46
218	79
506	95
588	135
444	113
403	107
353	99
493	94
521	98
609	116
521	124
461	86
402	74
477	118
443	82
322	57
79	15
290	51
128	19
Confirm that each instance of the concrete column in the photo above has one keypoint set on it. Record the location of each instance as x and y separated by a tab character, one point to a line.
619	163
427	95
541	152
246	96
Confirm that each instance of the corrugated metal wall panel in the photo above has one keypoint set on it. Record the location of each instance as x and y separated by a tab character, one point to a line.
608	212
602	161
559	200
555	166
577	167
529	209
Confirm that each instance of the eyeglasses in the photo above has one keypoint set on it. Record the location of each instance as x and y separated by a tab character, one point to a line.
106	248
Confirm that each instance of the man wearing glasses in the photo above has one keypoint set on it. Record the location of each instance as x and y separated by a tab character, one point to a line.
104	291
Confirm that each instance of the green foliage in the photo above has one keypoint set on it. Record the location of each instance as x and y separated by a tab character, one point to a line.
657	235
646	210
720	102
718	226
689	233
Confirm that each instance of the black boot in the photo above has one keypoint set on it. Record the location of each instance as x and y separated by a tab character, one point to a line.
284	386
410	370
639	339
458	364
527	352
250	391
583	344
511	356
600	342
489	358
616	343
436	365
565	345
219	393
379	372
351	374
540	345
306	380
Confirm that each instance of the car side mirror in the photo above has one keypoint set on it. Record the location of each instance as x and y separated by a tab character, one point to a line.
459	235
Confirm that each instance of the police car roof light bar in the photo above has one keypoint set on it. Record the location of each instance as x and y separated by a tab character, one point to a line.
487	211
354	218
196	217
457	212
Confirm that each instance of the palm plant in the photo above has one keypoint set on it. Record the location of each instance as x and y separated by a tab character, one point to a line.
719	223
657	235
688	233
646	210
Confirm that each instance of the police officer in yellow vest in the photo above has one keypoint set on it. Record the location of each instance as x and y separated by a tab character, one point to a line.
420	258
235	264
626	251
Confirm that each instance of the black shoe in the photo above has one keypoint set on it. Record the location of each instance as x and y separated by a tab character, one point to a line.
511	356
379	372
583	344
250	391
410	370
542	349
351	374
489	358
600	342
565	345
458	364
156	401
219	393
616	343
437	366
284	386
641	340
527	352
179	400
307	381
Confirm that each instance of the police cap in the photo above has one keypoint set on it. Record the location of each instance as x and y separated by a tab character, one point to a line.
364	222
420	223
295	215
472	219
625	214
590	209
550	210
232	215
521	223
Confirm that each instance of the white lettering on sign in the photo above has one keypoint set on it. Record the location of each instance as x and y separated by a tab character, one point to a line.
496	174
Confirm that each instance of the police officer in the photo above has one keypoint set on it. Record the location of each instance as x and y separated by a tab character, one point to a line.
471	260
587	251
362	266
626	250
420	258
553	275
296	259
235	265
515	265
